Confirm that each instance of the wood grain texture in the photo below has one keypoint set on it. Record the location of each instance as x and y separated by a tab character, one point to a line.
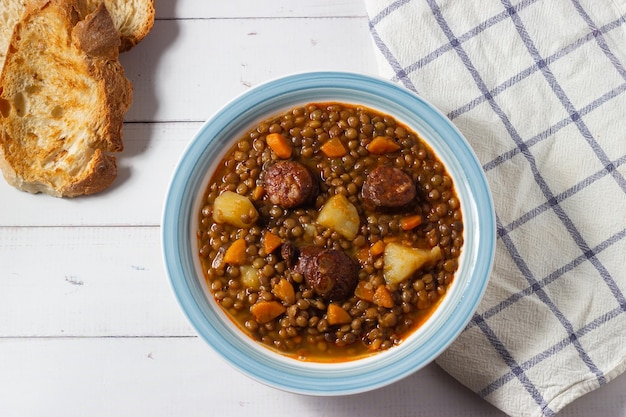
193	9
180	377
185	70
85	282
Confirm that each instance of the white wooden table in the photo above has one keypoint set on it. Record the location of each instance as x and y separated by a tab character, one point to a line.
88	323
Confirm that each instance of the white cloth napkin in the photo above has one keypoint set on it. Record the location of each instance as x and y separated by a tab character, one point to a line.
538	87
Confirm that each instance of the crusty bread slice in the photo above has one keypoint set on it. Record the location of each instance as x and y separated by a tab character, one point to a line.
63	97
133	19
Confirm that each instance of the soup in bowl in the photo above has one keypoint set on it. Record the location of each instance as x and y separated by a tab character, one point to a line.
328	233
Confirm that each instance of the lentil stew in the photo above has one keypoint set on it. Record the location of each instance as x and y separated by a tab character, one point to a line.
330	232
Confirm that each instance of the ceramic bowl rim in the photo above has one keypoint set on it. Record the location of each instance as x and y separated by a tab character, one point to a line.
259	103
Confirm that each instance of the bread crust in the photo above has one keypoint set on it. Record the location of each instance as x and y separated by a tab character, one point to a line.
133	19
103	172
97	36
132	39
63	97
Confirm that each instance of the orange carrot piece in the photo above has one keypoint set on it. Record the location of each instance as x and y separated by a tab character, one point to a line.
375	345
364	291
410	222
271	242
264	311
279	144
284	290
377	248
362	255
333	148
236	253
382	297
258	192
335	314
381	145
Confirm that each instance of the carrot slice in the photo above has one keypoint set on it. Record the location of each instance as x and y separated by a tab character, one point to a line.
410	222
335	314
362	255
258	192
236	253
377	248
284	290
333	148
381	145
271	242
364	291
382	297
264	311
279	144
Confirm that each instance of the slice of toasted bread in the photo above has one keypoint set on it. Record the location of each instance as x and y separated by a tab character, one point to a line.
63	97
133	19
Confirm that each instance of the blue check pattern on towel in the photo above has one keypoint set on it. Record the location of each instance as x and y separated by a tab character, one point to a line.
538	87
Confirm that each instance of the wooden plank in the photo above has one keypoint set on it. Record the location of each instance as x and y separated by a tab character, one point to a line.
85	281
193	9
186	70
182	377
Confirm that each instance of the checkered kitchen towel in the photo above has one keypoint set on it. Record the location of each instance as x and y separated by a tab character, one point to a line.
538	87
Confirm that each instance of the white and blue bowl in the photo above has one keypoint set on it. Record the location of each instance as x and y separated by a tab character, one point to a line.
185	197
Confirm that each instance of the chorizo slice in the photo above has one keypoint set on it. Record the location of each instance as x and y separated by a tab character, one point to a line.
387	186
330	273
290	184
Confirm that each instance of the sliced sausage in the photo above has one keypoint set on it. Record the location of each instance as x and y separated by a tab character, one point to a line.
330	273
289	253
386	186
303	262
290	184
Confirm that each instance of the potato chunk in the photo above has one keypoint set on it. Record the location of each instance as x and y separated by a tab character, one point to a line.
400	261
340	215
234	209
250	277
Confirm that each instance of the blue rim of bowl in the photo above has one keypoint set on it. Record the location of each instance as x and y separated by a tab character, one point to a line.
260	103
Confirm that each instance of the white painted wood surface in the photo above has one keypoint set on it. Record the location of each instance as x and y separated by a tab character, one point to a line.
88	324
